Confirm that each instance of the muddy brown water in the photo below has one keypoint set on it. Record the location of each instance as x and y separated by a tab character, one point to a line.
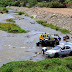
22	46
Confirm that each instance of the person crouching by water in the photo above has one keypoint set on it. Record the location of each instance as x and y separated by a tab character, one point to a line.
44	49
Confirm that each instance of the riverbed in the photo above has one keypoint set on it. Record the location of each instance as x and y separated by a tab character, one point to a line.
22	46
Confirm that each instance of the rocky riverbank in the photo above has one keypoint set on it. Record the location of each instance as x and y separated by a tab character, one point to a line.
61	17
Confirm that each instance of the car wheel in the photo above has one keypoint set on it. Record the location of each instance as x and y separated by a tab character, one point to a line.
70	53
37	44
54	45
40	45
56	55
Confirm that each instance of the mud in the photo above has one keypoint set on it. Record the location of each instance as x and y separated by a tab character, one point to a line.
22	46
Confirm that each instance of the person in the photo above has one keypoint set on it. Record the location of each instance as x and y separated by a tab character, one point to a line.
45	32
59	38
44	49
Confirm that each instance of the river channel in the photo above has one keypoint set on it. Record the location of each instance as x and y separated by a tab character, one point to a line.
22	46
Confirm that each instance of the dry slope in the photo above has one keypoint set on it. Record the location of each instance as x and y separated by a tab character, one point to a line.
58	16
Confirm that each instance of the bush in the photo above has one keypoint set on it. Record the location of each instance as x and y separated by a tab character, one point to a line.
44	23
41	22
32	2
10	20
17	3
31	17
47	65
20	13
3	10
64	30
51	4
11	28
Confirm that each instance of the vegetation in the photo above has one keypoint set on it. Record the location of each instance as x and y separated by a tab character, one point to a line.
51	4
11	28
20	13
31	17
48	65
10	20
44	23
9	8
3	10
30	3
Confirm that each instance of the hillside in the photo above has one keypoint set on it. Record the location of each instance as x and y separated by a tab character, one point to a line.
48	65
61	17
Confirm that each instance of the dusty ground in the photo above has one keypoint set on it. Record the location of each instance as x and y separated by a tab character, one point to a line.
61	17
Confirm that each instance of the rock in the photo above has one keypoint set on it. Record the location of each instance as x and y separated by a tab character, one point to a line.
36	52
71	16
31	58
13	47
32	22
22	47
35	55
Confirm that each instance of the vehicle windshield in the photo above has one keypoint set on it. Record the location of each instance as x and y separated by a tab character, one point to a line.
56	48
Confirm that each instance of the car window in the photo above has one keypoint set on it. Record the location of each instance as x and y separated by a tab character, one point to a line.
41	35
47	35
67	47
63	48
56	48
44	35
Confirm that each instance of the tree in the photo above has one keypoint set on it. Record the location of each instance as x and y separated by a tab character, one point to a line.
25	2
62	1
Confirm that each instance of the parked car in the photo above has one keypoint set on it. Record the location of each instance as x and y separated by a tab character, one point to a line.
59	51
42	36
57	39
47	42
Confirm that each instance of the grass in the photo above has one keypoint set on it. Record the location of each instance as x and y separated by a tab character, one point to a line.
9	8
20	13
48	65
31	17
3	10
11	28
44	23
10	20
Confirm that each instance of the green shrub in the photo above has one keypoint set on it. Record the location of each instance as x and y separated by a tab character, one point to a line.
57	5
32	2
9	8
44	4
10	20
44	23
20	13
41	22
11	28
64	30
51	4
17	3
47	65
3	10
31	17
